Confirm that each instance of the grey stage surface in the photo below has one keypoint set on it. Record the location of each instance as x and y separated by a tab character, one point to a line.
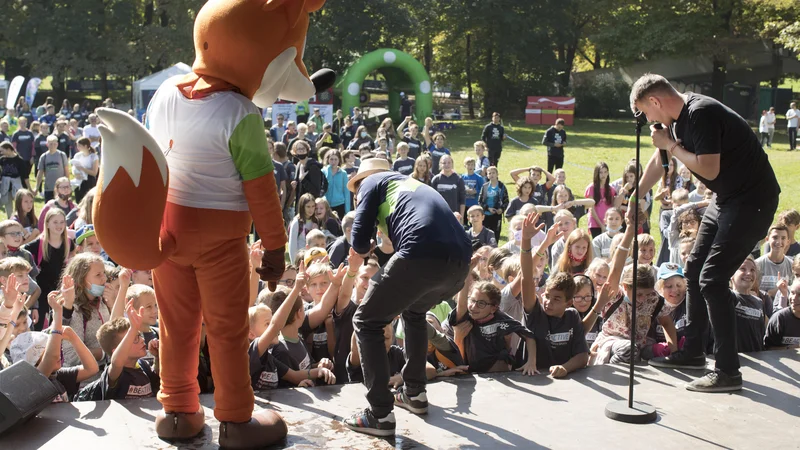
498	411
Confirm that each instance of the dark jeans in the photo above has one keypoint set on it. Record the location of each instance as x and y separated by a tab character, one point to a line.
494	156
595	231
554	162
49	195
792	137
339	211
726	236
84	188
494	222
409	287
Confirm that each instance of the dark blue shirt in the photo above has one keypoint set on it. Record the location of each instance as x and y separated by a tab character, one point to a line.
415	217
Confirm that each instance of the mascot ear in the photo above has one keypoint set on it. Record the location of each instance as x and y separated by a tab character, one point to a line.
293	9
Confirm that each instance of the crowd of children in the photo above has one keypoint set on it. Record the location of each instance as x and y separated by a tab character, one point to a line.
554	299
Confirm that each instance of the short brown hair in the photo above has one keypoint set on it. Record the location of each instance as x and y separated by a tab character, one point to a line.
13	264
6	224
644	277
648	84
111	333
84	142
490	290
136	291
563	282
561	122
789	217
277	300
496	257
778	227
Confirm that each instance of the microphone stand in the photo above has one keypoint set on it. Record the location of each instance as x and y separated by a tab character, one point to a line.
630	411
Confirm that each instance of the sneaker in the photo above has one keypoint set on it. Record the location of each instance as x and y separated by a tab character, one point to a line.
716	382
679	360
417	405
365	422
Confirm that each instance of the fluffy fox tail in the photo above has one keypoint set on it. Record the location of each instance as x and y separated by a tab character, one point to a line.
131	194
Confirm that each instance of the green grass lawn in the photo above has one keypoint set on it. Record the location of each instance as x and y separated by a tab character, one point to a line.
590	141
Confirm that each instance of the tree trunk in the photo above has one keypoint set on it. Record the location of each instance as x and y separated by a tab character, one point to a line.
427	52
469	78
104	85
718	77
16	67
59	88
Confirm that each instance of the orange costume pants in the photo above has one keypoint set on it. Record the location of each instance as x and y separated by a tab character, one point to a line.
206	281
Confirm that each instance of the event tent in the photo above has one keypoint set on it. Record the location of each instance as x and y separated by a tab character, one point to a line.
144	89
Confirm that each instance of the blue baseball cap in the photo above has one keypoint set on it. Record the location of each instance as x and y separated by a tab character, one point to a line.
669	270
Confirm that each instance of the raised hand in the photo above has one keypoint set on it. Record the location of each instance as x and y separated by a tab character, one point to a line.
300	281
354	260
152	347
68	291
553	235
338	277
10	291
125	276
69	334
604	297
135	317
256	253
529	227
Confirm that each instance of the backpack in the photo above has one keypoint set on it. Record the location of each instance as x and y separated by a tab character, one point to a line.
92	392
616	304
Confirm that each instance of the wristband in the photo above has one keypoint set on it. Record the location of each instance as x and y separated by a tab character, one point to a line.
540	254
309	373
673	148
56	332
351	276
526	251
624	249
13	324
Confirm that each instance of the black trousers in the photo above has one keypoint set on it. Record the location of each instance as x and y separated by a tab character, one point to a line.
493	222
792	137
494	156
554	162
339	211
726	236
409	287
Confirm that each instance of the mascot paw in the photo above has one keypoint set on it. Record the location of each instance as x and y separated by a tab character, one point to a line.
265	428
179	426
273	265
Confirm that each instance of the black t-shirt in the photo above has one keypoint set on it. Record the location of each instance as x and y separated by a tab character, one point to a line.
266	372
679	317
493	136
486	342
750	326
397	359
404	166
338	251
280	175
451	188
557	338
66	381
516	205
346	135
316	339
25	143
12	166
415	147
485	237
64	143
50	270
783	329
343	326
591	336
138	382
28	115
707	127
554	136
40	145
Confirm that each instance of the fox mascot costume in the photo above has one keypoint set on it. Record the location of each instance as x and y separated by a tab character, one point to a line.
181	198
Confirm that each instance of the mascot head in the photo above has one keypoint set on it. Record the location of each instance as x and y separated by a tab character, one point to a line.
257	46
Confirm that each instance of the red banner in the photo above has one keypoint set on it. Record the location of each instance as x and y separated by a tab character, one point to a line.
542	110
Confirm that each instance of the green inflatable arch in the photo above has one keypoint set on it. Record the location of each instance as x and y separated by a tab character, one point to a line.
402	72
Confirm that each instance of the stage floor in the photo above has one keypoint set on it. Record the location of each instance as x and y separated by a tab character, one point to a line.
491	412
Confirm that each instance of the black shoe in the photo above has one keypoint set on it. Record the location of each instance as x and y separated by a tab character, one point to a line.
417	405
716	382
365	422
679	360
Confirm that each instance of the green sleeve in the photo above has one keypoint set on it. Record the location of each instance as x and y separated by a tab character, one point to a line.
248	146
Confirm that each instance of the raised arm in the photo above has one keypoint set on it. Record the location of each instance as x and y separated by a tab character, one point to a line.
280	316
120	355
522	170
119	302
320	311
354	261
553	235
527	266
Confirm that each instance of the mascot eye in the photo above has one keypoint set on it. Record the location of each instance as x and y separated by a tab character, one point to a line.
205	45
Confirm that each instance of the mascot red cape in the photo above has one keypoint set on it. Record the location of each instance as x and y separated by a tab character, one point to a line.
179	195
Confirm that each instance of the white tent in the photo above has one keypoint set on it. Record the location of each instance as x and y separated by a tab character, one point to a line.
144	89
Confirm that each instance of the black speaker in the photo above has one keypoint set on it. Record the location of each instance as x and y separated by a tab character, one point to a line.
24	393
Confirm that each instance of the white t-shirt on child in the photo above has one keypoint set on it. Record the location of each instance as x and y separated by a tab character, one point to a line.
85	161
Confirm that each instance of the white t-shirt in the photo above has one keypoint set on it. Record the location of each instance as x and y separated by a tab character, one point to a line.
91	132
791	123
762	125
85	161
770	120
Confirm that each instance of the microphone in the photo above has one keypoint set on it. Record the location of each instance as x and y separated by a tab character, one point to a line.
664	159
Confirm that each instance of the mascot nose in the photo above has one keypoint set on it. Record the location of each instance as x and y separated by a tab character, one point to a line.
323	79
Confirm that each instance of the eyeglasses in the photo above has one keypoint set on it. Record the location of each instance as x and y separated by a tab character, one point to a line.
479	303
288	282
15	233
64	187
139	338
582	298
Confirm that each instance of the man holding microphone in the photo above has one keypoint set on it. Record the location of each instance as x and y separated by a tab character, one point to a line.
721	150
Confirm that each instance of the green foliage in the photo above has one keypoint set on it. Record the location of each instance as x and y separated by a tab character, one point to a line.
602	97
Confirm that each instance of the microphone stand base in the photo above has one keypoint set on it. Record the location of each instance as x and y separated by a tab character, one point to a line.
640	413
